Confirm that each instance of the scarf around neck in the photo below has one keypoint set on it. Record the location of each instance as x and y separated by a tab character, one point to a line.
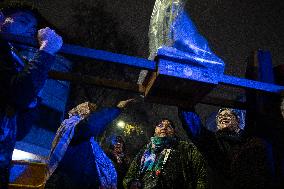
156	154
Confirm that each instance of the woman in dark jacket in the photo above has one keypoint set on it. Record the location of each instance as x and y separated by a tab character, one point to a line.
167	162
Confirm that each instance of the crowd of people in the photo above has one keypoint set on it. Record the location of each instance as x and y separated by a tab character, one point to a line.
226	158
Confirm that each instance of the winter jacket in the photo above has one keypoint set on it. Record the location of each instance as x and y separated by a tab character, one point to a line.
237	160
184	168
18	88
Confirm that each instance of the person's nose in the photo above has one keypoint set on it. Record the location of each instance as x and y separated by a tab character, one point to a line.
165	126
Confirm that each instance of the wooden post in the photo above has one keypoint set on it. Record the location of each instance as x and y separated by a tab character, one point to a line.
259	67
264	115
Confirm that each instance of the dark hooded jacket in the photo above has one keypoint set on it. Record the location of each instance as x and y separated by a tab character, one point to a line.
237	160
18	88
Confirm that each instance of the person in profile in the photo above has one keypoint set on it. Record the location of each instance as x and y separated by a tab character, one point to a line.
20	80
76	160
117	153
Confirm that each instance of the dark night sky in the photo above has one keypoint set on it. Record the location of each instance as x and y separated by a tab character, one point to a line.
233	28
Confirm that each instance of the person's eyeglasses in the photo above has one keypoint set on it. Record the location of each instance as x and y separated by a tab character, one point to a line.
161	125
226	116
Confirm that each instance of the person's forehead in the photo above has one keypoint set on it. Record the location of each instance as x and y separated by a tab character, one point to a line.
223	112
165	121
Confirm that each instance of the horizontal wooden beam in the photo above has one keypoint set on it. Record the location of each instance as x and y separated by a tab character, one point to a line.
140	63
250	84
186	104
223	102
97	81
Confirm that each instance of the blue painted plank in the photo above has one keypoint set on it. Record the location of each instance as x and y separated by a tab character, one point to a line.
251	84
142	63
88	53
108	56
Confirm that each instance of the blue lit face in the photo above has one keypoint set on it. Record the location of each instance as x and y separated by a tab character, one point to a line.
227	119
20	23
118	148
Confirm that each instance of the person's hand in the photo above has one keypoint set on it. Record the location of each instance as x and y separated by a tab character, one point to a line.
83	109
191	122
49	40
124	103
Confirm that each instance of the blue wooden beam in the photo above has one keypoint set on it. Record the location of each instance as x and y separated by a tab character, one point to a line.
88	53
140	63
250	84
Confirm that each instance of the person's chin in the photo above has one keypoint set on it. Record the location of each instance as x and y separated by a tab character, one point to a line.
163	135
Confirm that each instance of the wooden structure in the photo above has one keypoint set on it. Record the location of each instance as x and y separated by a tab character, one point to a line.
171	81
27	174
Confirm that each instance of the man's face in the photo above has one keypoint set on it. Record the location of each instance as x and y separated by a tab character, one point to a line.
19	23
227	119
118	148
164	129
